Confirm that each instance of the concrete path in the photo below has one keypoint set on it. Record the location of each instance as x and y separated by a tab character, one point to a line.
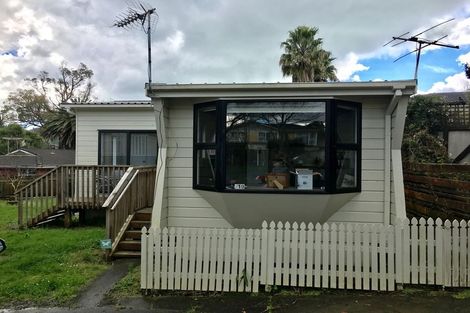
93	295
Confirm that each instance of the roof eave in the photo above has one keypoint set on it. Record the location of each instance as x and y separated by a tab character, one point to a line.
386	88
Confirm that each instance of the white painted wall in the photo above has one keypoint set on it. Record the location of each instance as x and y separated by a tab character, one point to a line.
369	205
457	142
186	208
89	121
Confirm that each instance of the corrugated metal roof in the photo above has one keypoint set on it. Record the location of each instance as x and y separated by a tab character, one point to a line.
124	102
38	158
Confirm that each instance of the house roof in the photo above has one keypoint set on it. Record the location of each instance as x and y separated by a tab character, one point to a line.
307	89
110	104
451	97
34	157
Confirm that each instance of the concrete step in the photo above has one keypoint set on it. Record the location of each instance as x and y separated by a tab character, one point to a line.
129	245
126	254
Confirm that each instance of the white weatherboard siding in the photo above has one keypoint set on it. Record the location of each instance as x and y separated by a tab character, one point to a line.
90	121
186	208
368	206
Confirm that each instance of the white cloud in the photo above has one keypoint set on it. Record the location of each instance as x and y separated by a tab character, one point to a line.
56	59
464	59
204	41
438	69
460	33
348	66
6	74
457	82
171	46
356	78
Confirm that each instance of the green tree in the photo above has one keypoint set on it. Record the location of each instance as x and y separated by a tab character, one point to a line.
467	70
304	58
39	105
425	118
14	136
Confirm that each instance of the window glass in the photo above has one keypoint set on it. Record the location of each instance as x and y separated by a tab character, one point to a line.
143	149
206	124
346	169
275	145
113	148
346	124
205	165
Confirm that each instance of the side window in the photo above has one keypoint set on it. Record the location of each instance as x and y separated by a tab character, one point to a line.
127	148
205	146
347	146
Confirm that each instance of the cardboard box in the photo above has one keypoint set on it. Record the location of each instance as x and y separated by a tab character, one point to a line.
281	178
304	179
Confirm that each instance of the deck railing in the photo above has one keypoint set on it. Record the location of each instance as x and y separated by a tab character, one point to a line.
67	187
134	192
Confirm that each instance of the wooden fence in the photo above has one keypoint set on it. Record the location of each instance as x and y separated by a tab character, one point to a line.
351	256
459	115
437	190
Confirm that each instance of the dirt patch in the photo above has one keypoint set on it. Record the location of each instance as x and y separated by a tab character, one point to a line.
408	301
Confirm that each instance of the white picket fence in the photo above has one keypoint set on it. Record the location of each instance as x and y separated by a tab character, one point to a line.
344	256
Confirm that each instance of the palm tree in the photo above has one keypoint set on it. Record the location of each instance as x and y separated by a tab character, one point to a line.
325	70
304	57
61	126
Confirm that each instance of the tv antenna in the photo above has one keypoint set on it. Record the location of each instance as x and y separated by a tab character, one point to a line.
421	43
140	15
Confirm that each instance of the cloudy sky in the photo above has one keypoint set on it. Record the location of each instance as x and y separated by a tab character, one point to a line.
227	41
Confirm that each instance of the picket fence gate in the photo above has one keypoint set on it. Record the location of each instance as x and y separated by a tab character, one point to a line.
343	256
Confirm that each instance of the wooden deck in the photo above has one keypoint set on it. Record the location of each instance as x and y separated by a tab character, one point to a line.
67	187
120	190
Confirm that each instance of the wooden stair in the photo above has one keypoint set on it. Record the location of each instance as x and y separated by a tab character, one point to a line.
129	245
46	216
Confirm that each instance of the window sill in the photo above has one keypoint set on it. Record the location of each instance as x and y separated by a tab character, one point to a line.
279	192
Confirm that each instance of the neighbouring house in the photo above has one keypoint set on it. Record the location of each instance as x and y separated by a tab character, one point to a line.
457	133
233	155
34	161
24	164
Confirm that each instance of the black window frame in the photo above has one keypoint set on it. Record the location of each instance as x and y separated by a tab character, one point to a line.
128	133
331	146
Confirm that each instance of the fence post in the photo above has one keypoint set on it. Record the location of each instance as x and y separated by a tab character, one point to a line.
143	259
20	209
399	225
447	261
439	237
264	252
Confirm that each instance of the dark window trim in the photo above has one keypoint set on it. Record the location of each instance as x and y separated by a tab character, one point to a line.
204	146
331	146
128	133
348	146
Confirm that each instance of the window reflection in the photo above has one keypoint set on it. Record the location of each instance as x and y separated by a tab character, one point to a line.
275	145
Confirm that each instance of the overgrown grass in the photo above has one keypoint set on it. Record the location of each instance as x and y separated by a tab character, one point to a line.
462	295
129	286
46	266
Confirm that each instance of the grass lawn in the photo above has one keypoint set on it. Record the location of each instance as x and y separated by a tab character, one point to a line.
46	266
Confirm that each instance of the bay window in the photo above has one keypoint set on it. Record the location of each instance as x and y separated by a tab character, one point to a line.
304	146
